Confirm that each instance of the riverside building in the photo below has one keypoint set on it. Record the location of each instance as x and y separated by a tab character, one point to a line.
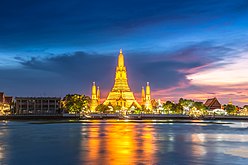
37	105
6	104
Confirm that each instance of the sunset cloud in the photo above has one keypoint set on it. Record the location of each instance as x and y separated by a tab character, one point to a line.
230	71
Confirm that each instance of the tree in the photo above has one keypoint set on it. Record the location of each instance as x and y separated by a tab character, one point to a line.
154	103
230	109
117	108
75	103
168	106
245	106
188	104
201	107
178	108
143	108
102	108
138	110
244	111
194	112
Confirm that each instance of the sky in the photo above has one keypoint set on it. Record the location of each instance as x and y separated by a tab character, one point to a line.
191	49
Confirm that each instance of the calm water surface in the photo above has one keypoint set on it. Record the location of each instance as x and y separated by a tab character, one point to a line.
123	143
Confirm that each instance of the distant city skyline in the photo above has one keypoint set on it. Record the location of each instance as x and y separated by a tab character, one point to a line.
191	49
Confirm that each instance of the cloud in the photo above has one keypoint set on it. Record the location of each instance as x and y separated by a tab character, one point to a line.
168	73
236	93
56	76
225	79
77	70
229	71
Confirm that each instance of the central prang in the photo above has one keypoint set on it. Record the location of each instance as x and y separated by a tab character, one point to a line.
121	95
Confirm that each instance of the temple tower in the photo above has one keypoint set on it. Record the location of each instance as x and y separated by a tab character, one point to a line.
148	96
143	96
121	75
94	99
121	94
98	95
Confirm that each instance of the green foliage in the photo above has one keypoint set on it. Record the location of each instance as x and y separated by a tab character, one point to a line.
245	106
168	106
186	103
117	107
75	103
143	109
200	106
138	111
102	108
194	112
179	107
230	109
154	103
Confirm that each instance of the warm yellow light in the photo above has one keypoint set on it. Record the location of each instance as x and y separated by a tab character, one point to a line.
121	94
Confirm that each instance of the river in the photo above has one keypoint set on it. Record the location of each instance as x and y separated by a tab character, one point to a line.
99	142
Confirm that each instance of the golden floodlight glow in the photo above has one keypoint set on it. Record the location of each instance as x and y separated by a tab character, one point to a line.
95	98
119	144
121	94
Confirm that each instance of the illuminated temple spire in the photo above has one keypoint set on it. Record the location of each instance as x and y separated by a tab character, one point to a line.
121	83
230	101
148	96
98	94
94	99
143	95
121	94
148	91
93	92
120	59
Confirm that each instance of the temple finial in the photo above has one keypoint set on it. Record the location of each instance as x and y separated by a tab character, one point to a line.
120	50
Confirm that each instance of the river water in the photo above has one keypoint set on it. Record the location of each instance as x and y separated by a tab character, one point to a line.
123	143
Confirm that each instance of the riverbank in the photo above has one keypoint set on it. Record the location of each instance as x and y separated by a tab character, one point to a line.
119	117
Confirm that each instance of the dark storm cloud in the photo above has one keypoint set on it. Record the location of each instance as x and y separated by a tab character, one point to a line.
74	72
61	22
65	73
77	69
169	69
73	65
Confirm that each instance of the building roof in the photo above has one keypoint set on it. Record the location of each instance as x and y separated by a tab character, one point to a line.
5	99
46	98
1	97
211	101
8	99
208	102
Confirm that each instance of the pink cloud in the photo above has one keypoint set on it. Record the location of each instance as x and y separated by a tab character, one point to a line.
237	93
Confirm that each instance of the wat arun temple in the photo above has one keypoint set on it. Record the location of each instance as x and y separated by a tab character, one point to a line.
121	94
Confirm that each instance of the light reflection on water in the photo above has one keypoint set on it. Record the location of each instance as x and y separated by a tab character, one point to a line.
3	134
119	144
123	143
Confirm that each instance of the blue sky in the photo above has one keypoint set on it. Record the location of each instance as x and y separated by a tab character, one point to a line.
51	48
